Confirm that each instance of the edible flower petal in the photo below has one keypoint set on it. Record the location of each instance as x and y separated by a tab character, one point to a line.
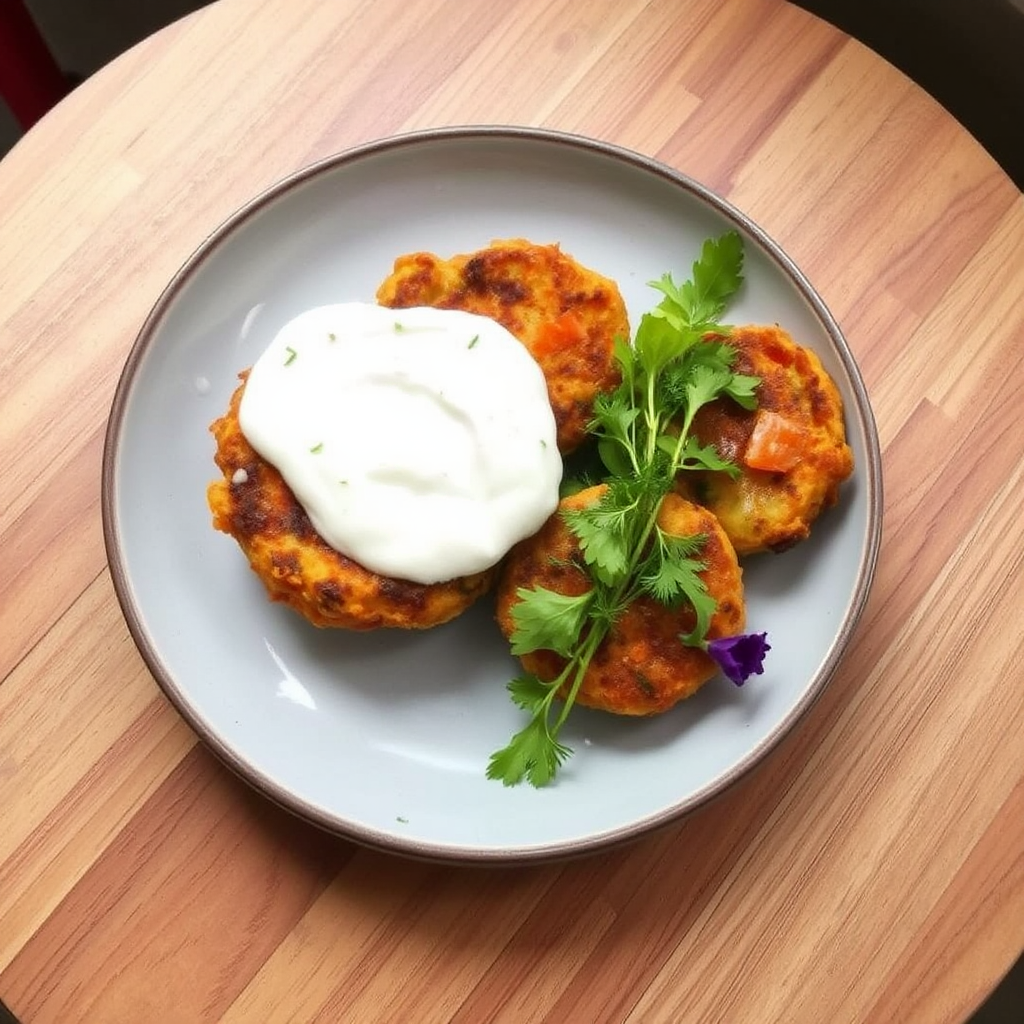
741	656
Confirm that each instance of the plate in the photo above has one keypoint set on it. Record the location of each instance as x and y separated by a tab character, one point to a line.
384	737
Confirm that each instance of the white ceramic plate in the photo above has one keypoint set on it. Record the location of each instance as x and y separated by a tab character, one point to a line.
384	737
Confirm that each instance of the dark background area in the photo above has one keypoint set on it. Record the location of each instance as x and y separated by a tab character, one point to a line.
969	54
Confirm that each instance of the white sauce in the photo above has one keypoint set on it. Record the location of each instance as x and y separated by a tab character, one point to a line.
420	442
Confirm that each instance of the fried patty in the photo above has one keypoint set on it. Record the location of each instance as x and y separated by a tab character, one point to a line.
797	430
641	667
567	316
254	505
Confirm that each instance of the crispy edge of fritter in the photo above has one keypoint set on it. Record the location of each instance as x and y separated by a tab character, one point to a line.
641	667
298	567
772	511
565	314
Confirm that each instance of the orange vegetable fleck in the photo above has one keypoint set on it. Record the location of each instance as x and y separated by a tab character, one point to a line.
559	334
777	443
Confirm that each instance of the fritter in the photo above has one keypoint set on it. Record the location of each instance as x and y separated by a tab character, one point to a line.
254	505
791	450
641	667
567	316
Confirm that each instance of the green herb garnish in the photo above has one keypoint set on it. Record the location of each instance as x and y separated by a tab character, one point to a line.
474	340
677	363
317	448
291	355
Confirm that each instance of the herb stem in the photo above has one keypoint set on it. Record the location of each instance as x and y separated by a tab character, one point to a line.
582	661
652	421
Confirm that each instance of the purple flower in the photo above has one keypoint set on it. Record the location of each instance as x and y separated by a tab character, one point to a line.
740	657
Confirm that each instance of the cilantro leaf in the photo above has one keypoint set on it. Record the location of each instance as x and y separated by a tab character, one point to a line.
694	455
625	356
670	574
532	754
614	421
614	415
704	605
603	532
741	389
528	692
615	456
605	551
547	620
706	383
718	355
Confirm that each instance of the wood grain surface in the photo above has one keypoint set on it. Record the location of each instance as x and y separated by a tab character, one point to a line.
871	871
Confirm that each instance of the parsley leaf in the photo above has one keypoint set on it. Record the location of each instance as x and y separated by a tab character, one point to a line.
717	276
658	342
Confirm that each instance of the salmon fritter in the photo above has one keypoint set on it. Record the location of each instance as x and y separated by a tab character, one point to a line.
791	450
254	505
567	316
641	667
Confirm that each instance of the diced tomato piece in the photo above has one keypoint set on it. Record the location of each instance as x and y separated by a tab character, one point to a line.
558	334
777	443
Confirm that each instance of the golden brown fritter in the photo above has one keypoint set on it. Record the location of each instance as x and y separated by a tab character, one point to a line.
641	667
791	450
254	505
567	316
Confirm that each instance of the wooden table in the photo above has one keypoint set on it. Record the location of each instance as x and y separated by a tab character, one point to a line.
871	870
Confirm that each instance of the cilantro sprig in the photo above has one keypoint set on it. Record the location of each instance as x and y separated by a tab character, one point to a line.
678	363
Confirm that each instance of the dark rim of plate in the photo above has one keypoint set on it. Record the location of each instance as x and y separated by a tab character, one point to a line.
870	474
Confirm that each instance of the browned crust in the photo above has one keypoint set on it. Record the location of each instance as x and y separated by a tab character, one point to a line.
641	668
567	316
763	510
298	567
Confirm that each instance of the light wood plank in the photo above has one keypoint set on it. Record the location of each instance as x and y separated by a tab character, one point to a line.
868	871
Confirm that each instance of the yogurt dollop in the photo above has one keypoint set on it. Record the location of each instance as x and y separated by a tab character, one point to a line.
420	442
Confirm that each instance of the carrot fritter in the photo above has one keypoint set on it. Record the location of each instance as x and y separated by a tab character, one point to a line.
641	667
254	505
567	316
791	450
